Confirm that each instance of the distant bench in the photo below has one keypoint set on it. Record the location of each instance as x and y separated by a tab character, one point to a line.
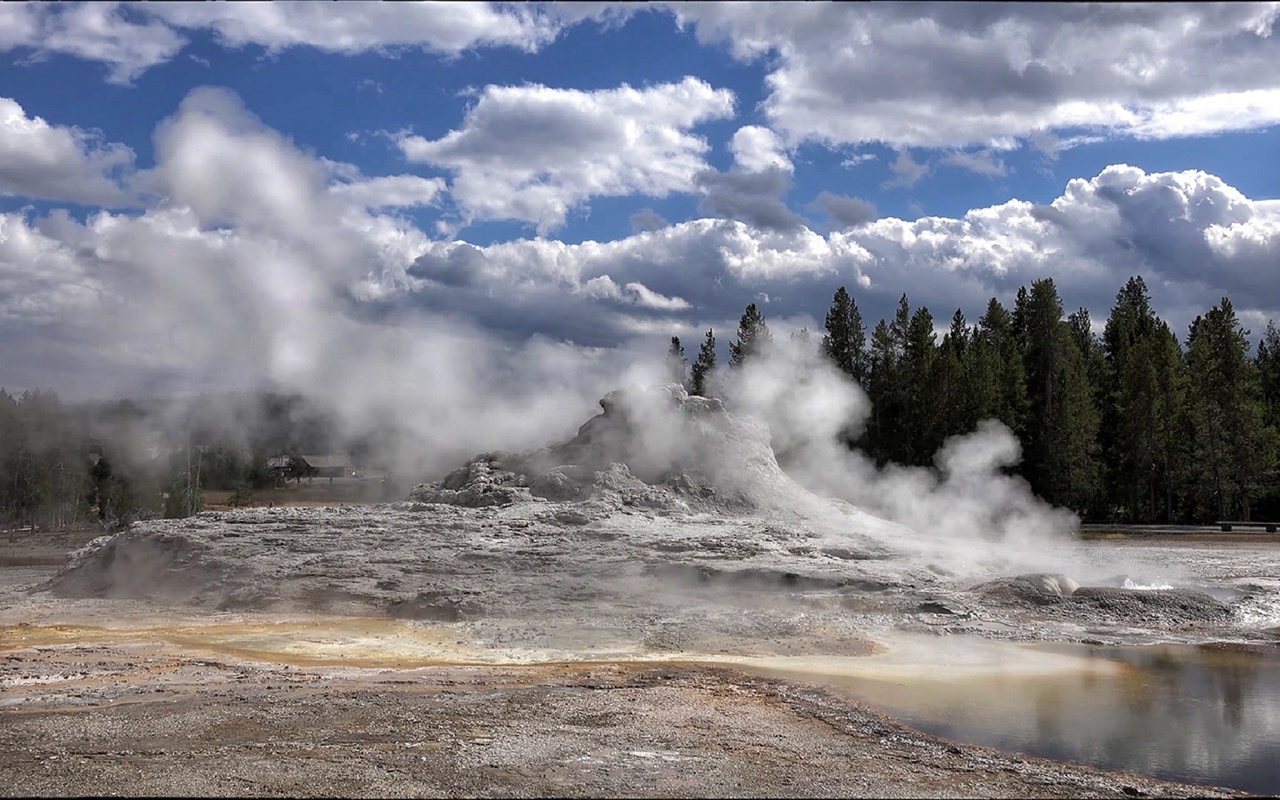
1270	526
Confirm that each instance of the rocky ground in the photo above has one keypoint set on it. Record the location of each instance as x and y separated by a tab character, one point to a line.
549	623
148	718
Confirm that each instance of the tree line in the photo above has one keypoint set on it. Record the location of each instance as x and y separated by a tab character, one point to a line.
1133	425
108	463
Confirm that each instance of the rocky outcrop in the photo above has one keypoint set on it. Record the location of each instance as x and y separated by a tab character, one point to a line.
487	480
1061	597
658	448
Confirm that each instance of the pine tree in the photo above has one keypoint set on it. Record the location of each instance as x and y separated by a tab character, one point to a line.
676	363
1000	355
921	429
846	340
1129	402
753	338
1060	443
1230	441
883	390
1074	469
1268	366
1268	361
957	401
702	375
1151	397
889	387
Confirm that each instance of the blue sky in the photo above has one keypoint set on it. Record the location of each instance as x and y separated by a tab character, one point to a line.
212	195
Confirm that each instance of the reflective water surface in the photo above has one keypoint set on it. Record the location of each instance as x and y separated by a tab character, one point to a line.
1205	714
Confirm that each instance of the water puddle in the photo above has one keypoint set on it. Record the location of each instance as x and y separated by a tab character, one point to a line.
1199	714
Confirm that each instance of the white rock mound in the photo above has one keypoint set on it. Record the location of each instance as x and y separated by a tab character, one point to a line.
659	448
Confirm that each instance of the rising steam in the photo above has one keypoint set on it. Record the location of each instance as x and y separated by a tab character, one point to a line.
253	272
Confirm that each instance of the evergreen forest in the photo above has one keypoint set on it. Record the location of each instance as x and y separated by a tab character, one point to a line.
1134	425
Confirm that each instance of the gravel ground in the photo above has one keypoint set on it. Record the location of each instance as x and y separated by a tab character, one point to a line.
144	719
121	697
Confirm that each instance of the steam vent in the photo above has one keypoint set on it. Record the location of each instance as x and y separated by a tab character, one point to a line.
660	495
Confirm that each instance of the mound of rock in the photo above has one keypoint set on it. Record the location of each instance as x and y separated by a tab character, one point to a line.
1033	589
489	479
1061	597
659	448
1165	606
138	563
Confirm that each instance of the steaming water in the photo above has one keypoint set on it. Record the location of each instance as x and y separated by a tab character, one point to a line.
1205	714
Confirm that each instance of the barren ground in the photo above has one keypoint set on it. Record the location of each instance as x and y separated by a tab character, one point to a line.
126	697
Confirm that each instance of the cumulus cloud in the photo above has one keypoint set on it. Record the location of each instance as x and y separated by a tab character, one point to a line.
603	287
953	75
131	38
360	27
1191	235
534	152
41	280
646	297
53	162
757	149
391	191
92	31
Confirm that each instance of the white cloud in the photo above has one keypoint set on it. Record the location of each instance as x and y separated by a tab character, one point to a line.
261	263
391	191
51	162
359	27
603	287
19	24
92	31
954	75
1191	235
982	162
648	298
41	280
855	160
533	153
756	149
131	38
